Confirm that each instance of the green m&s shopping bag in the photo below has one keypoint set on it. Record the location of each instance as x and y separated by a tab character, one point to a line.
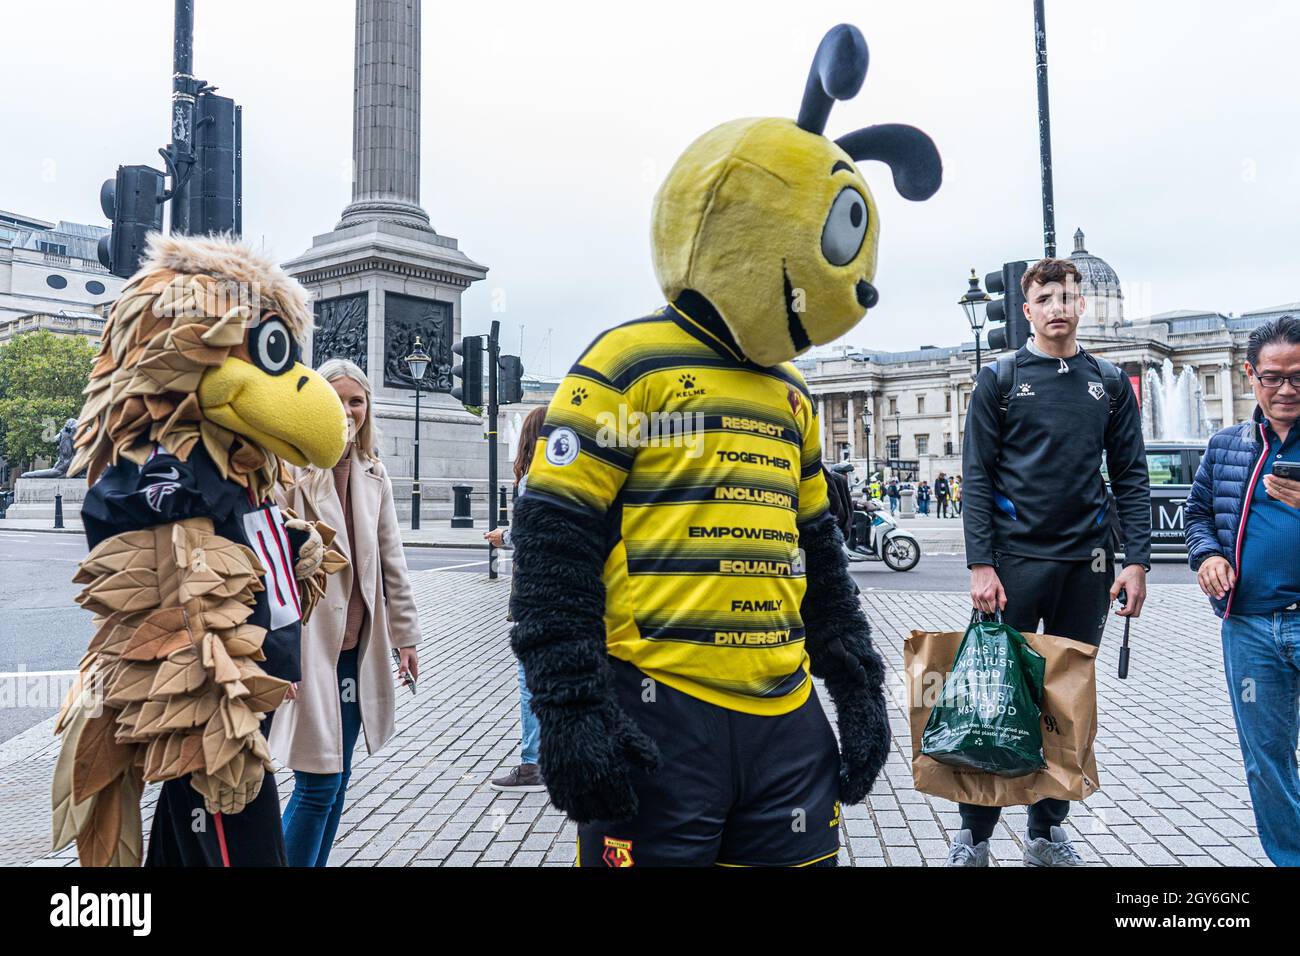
987	717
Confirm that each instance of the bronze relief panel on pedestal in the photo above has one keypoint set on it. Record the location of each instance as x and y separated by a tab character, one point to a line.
405	317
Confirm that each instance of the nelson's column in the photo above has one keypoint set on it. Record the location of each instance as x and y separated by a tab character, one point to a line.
384	276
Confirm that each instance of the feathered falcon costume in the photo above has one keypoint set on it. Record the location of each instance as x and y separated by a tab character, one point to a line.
197	582
678	575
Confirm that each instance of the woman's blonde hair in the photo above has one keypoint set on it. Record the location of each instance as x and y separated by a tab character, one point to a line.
367	437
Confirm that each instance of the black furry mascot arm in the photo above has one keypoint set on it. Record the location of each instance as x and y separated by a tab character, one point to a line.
589	745
838	641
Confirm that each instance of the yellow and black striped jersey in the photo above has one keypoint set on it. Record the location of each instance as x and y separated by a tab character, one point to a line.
705	464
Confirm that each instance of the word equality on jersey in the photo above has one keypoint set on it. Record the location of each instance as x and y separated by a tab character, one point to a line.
704	577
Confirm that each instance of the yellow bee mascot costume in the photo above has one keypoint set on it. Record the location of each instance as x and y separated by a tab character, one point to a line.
198	583
678	575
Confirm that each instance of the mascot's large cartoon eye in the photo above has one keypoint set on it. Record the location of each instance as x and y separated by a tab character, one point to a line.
846	227
272	347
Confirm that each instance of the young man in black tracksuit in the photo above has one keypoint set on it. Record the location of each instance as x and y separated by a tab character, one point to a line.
1038	520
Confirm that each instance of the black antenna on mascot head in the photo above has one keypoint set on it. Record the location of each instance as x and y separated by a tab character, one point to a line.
838	69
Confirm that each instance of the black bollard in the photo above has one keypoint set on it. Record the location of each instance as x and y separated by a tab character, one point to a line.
58	510
460	516
503	519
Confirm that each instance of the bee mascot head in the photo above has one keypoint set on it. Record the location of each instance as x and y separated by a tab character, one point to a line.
773	224
203	346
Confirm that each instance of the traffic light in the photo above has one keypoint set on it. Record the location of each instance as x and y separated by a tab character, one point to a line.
468	372
1010	309
510	387
133	204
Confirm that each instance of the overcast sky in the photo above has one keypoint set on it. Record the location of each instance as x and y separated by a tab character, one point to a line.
548	127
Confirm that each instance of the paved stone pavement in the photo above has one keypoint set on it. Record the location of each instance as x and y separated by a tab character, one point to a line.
1173	790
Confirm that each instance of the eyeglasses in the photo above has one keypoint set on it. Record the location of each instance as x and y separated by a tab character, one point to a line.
1272	380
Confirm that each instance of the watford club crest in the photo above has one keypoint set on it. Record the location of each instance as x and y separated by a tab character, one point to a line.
617	852
1095	390
792	397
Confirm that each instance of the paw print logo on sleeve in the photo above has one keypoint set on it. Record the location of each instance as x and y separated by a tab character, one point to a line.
578	396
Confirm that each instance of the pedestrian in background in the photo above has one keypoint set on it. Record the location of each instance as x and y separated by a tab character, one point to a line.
956	495
527	777
891	490
941	491
1243	525
923	498
368	610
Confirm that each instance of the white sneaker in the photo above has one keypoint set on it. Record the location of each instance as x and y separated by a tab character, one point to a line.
966	852
1058	851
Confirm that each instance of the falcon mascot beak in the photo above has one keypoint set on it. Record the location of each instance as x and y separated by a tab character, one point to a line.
262	391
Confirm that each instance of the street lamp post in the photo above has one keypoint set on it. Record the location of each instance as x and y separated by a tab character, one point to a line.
974	298
866	432
417	362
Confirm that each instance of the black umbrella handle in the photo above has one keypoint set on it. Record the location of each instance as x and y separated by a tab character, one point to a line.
1123	651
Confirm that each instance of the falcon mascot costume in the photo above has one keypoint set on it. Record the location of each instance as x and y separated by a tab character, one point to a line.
198	583
678	576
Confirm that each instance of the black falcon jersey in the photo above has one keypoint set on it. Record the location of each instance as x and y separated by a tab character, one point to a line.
705	465
129	498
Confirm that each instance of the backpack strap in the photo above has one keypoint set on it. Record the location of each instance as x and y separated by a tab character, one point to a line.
1112	379
1006	372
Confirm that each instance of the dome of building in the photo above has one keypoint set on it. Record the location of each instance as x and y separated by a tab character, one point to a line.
1095	270
1100	283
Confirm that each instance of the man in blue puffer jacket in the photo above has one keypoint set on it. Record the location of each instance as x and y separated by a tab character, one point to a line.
1243	541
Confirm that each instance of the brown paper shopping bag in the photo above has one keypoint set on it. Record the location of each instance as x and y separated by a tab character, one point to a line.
1069	723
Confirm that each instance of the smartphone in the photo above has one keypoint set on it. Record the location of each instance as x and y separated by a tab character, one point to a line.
1290	470
407	679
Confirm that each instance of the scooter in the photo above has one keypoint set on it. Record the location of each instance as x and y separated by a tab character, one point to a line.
885	541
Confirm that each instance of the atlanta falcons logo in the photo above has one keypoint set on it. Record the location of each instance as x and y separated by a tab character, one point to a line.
154	494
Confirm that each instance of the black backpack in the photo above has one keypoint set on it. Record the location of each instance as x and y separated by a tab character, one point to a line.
1112	378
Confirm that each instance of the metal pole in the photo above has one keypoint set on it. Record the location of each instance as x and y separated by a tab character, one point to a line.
494	351
1044	133
184	88
977	351
415	481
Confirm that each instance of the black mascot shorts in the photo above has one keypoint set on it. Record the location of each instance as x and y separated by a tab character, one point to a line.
732	789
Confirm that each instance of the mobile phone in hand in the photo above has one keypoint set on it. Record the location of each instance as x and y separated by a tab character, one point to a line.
1289	470
407	679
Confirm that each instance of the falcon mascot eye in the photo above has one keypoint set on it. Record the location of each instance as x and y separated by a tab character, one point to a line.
273	348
